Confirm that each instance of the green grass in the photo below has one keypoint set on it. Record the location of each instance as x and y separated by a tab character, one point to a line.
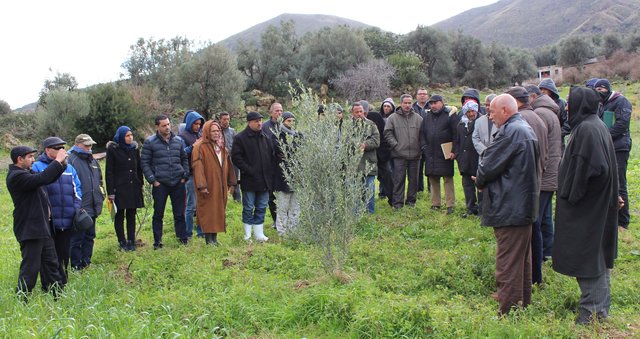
413	273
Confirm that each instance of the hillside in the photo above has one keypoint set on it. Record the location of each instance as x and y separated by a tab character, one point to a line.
542	22
304	23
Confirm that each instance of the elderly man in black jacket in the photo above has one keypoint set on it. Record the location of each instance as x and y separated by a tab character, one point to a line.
32	218
254	155
585	243
508	176
166	167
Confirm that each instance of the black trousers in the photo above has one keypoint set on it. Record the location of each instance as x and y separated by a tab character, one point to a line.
131	224
273	208
38	256
405	168
386	179
622	158
470	191
62	242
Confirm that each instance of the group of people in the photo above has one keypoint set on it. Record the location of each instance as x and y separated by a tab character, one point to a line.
510	157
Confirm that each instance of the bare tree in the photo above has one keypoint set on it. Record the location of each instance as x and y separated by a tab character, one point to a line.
368	80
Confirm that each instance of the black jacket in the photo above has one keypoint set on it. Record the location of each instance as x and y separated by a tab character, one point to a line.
253	154
437	128
165	162
466	154
90	177
621	107
287	141
31	212
123	174
384	151
508	175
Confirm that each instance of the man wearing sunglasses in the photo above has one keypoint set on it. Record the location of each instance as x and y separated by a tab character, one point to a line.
65	197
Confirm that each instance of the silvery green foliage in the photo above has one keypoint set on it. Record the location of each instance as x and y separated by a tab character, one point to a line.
322	169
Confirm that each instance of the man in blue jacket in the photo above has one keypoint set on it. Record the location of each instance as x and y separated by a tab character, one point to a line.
165	166
192	131
32	219
90	175
65	197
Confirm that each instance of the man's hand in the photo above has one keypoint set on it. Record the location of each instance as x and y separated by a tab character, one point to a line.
362	146
112	197
204	191
232	189
156	184
620	202
61	157
452	156
183	180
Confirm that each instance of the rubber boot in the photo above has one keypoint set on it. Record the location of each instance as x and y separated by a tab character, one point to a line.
247	231
258	232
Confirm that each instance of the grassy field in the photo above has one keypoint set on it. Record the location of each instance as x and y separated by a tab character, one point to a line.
413	273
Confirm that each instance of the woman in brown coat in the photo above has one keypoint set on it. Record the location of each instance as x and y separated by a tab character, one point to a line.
213	177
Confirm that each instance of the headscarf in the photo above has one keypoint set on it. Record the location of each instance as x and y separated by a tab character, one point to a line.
206	134
119	137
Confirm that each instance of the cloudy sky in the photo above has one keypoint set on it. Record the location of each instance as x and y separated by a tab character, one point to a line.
91	39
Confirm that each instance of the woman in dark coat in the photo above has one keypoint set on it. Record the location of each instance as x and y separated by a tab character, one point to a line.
124	184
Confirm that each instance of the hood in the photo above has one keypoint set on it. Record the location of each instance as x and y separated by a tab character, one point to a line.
583	102
190	118
470	93
119	137
111	143
390	101
206	136
44	158
544	101
550	85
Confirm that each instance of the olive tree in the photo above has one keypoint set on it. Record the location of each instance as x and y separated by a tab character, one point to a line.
323	172
60	112
368	80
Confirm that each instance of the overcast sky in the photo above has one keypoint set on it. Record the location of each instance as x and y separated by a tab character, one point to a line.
91	39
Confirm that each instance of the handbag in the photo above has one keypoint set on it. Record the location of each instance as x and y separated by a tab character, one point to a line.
82	221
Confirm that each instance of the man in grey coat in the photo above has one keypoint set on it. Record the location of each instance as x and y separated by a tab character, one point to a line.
402	133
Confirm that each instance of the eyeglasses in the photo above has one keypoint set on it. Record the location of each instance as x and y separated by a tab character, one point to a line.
57	148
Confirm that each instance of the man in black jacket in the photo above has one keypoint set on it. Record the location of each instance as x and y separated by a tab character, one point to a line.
166	167
616	105
508	175
253	153
32	218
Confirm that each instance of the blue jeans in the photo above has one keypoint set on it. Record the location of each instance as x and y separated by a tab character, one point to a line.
160	195
190	210
82	246
371	190
254	207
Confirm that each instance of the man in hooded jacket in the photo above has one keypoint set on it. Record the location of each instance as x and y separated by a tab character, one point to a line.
192	131
587	202
617	104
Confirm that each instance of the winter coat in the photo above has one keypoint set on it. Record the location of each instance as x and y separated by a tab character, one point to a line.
508	175
546	109
420	110
216	176
437	128
254	156
371	140
90	177
466	154
123	174
65	194
618	104
383	152
287	141
164	161
188	136
402	133
585	239
30	201
483	131
540	129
